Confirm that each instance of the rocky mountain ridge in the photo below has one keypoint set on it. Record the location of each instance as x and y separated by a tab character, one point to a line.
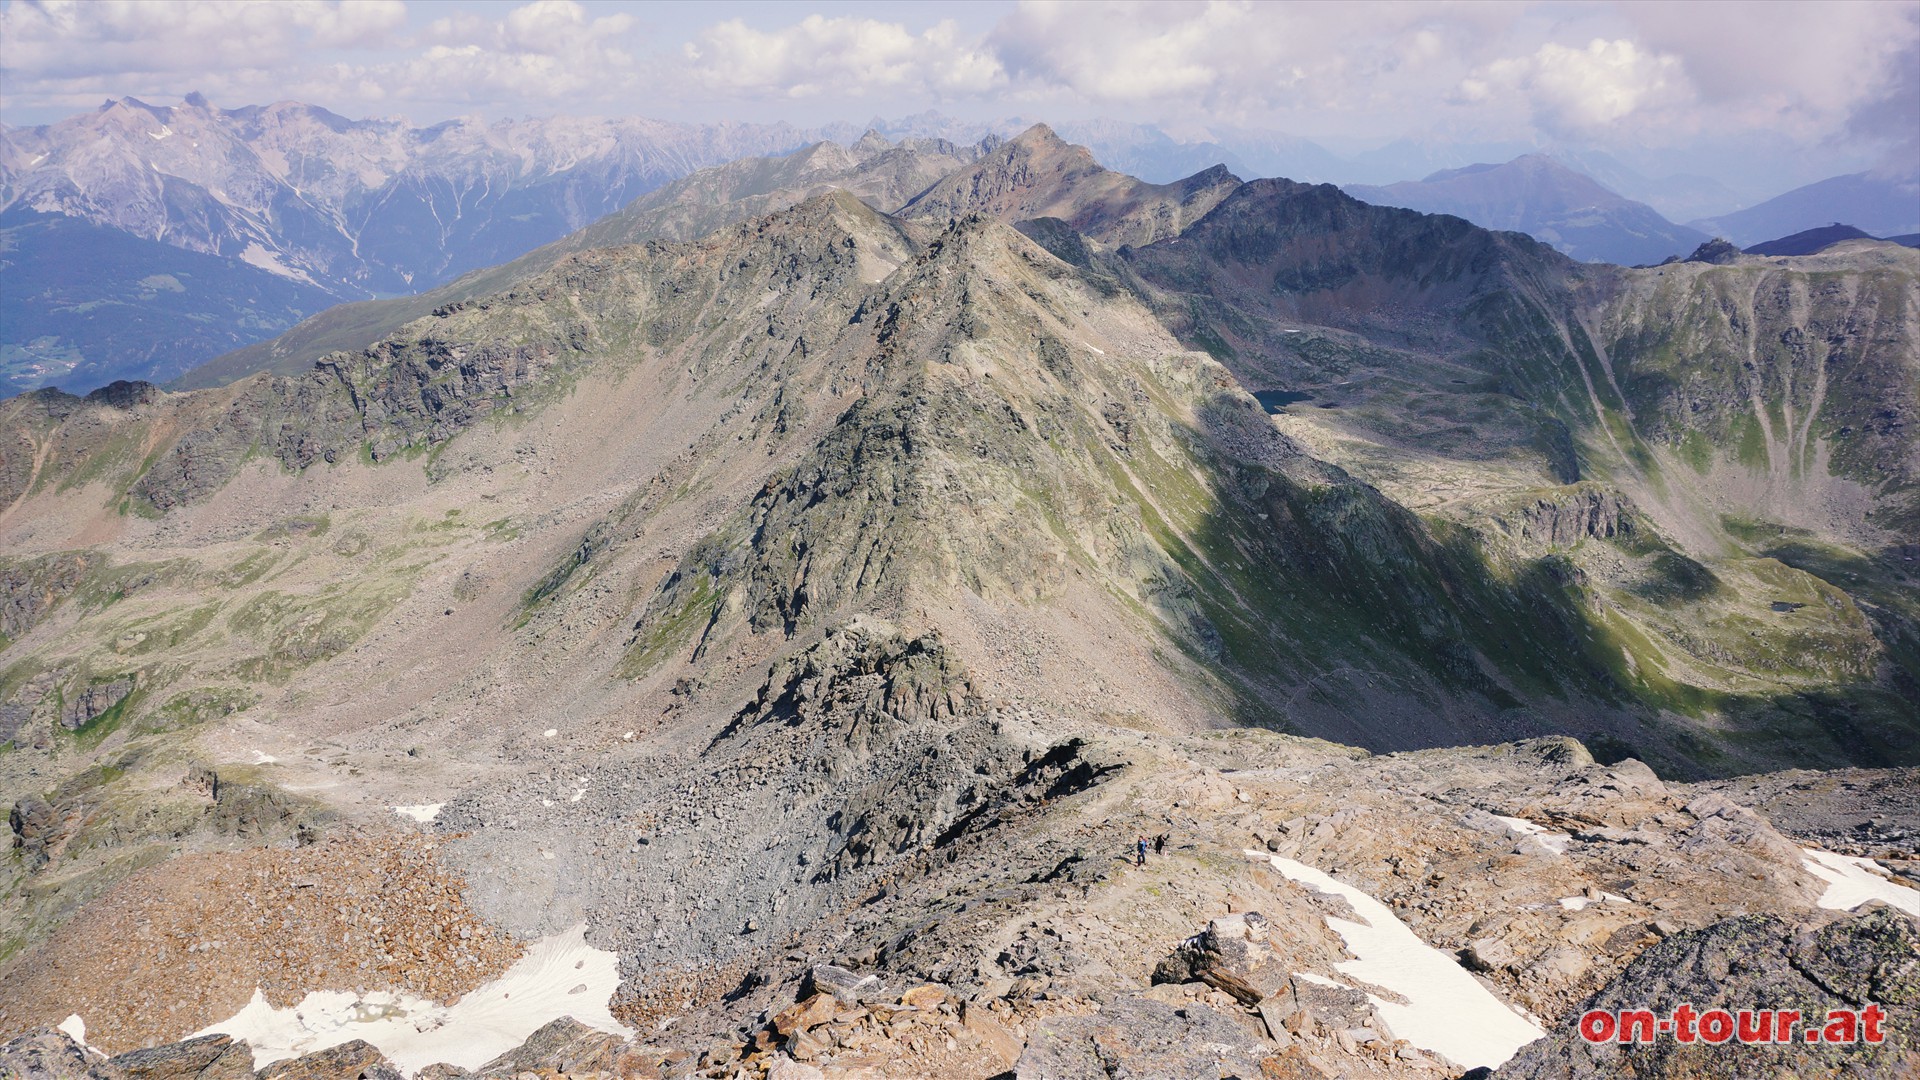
849	589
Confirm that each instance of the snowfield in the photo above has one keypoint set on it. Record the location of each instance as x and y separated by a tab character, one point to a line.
1448	1012
1852	882
560	976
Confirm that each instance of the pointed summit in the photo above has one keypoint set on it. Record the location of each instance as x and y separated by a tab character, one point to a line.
1037	174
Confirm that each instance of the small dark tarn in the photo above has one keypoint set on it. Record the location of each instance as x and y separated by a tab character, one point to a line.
1787	605
1275	400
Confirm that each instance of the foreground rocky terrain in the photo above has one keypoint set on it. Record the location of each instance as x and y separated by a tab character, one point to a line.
766	649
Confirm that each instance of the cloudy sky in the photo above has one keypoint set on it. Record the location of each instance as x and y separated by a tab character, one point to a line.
1836	79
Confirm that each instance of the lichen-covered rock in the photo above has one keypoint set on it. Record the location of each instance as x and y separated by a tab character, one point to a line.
1755	962
561	1046
51	1055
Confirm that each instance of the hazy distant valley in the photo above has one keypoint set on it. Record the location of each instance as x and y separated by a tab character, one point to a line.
811	573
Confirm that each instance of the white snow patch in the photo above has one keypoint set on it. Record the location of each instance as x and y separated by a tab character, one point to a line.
422	813
260	257
1097	350
628	736
1852	882
1449	1011
1579	903
546	802
560	976
261	758
76	1028
550	733
1318	980
164	132
1552	841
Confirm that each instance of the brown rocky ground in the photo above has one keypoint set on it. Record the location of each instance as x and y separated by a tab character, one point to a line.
177	947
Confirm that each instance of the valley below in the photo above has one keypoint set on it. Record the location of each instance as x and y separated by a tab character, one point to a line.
951	611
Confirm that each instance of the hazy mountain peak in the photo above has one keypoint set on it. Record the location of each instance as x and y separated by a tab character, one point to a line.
1041	136
1539	195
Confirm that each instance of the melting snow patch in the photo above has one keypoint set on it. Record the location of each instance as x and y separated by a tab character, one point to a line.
1552	841
1318	980
422	813
413	1032
1852	882
77	1029
1448	1011
263	759
1579	903
550	733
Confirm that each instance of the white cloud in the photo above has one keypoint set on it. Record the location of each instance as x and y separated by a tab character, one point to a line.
1583	90
846	57
64	39
548	52
1632	73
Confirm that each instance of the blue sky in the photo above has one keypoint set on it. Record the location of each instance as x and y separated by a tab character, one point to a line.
1762	82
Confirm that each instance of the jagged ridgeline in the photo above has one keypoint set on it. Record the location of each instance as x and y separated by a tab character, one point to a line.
1504	494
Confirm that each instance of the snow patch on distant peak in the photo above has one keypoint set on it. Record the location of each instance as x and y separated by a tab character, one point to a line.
1448	1011
163	133
260	257
1852	882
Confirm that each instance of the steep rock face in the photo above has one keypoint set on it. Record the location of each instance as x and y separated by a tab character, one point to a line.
31	589
1794	373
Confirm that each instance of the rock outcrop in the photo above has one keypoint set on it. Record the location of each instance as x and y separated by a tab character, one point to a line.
1757	962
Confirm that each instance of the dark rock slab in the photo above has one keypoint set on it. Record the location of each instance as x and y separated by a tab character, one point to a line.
356	1060
209	1057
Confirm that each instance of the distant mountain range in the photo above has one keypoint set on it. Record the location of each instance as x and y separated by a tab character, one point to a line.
1539	196
1814	241
1882	206
139	241
292	208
